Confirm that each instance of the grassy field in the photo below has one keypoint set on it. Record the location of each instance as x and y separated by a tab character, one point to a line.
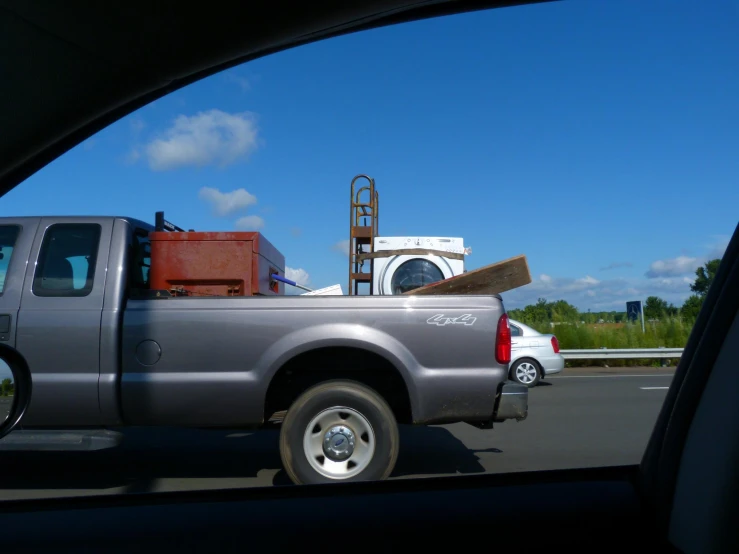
670	333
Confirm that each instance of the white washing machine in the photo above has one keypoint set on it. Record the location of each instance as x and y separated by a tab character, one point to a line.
401	273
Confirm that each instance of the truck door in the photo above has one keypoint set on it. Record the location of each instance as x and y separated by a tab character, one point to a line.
59	320
16	240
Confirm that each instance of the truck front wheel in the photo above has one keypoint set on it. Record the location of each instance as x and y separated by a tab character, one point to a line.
339	431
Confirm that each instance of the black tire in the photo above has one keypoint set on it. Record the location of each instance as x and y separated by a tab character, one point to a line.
521	362
330	395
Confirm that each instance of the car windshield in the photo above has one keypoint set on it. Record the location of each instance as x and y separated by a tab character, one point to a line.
279	344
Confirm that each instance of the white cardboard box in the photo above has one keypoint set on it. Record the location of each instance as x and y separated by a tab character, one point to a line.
333	290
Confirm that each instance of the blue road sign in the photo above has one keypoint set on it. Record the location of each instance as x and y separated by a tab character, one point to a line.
633	310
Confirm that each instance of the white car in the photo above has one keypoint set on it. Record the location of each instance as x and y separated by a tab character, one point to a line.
533	355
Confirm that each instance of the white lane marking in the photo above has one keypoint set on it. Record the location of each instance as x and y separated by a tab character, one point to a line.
654	388
609	376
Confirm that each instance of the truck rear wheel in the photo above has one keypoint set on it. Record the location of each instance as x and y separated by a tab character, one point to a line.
339	431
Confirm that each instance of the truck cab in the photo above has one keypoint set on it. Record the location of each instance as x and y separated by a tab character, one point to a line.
63	282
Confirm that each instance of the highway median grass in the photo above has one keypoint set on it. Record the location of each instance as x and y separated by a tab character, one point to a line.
668	333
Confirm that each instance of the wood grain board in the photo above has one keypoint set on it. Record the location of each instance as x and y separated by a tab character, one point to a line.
491	279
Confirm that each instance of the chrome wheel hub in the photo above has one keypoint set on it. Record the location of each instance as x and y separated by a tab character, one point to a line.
338	443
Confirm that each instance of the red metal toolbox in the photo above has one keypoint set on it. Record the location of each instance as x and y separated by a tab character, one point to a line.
215	264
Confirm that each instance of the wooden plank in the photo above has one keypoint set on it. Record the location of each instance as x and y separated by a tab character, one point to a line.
491	279
410	252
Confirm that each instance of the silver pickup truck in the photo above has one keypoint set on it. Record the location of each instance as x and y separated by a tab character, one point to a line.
339	372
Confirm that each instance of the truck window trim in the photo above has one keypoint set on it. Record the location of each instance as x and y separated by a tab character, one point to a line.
37	287
135	266
18	230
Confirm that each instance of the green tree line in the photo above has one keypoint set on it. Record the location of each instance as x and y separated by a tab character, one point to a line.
7	387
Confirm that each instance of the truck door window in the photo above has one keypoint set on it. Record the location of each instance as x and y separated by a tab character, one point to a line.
66	262
141	260
8	236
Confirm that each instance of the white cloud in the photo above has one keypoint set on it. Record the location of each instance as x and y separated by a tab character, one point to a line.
718	248
670	279
587	292
249	223
133	156
671	283
226	203
342	246
137	125
242	82
300	276
212	137
616	265
685	266
673	267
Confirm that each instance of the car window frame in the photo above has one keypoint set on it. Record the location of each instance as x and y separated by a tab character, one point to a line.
38	290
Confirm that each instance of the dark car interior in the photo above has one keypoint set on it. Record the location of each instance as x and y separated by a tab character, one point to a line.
69	69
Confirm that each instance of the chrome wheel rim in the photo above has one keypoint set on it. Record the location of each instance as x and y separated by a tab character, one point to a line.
526	373
339	443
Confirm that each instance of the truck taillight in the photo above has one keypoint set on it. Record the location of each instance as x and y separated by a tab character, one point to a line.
555	345
503	341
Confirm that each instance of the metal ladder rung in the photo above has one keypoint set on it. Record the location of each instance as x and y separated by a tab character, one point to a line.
361	235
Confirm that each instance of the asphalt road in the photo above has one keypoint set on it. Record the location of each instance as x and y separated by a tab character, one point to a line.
584	418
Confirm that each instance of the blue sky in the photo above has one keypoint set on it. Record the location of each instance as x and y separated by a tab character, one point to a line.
598	138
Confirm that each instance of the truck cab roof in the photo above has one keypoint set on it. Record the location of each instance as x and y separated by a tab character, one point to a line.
82	218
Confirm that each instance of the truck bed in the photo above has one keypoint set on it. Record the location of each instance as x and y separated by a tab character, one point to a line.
210	361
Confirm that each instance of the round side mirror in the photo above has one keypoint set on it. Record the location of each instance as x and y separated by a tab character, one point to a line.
15	394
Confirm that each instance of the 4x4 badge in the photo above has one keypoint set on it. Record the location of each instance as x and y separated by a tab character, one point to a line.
441	320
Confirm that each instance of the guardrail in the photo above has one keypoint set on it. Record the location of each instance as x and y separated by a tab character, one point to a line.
621	353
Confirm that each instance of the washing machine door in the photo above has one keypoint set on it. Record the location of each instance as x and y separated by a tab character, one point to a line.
404	273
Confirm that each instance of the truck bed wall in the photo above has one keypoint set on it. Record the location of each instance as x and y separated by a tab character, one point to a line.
209	362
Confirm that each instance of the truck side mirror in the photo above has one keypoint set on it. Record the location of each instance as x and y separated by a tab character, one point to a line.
15	394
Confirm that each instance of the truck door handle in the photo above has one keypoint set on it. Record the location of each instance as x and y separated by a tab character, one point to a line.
5	320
